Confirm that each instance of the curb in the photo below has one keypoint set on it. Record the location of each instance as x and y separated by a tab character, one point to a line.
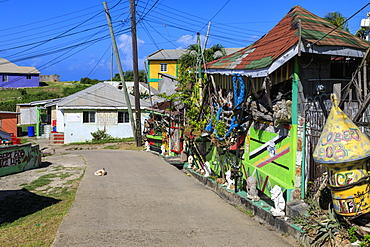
260	209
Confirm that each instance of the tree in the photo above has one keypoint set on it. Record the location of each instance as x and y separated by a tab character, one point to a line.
129	76
338	20
361	33
87	80
190	58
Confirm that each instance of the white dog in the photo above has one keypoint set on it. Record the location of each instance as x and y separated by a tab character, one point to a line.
101	172
279	202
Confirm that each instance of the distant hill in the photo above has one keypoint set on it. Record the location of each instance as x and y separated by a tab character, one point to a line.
50	90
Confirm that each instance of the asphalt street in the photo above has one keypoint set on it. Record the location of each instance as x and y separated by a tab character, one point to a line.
144	201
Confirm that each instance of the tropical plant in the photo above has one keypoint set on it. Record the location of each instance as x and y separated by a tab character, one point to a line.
191	58
100	135
366	241
361	33
338	20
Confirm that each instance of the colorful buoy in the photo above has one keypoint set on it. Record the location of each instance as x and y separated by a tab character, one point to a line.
344	150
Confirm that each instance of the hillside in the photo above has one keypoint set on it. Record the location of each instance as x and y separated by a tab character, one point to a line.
10	97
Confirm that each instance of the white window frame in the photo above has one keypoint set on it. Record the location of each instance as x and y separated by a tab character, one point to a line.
125	118
90	118
164	67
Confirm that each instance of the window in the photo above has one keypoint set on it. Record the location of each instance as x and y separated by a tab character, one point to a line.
28	77
5	78
163	67
123	117
88	117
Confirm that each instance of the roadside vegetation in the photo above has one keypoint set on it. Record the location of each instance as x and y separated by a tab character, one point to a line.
31	216
9	98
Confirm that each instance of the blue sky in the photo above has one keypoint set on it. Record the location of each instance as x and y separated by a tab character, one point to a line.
71	38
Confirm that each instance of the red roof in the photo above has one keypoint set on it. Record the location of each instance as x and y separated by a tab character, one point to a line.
283	37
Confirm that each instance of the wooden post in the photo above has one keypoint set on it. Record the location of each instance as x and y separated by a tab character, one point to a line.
118	60
136	74
365	78
337	87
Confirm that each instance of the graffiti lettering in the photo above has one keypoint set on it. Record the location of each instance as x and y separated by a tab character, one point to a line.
11	158
341	179
334	151
328	138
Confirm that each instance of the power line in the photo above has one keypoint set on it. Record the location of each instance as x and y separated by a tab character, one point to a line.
216	14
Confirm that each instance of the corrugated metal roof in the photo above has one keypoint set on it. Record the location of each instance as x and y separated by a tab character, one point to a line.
176	54
283	40
11	68
99	96
166	54
9	112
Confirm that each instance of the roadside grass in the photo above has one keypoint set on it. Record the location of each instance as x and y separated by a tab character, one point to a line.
117	143
102	141
32	217
245	211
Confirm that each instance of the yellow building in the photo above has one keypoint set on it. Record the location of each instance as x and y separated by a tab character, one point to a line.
163	62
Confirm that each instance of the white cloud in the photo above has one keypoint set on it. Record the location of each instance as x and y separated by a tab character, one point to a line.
125	48
188	39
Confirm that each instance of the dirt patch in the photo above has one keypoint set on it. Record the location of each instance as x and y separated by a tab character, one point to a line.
64	167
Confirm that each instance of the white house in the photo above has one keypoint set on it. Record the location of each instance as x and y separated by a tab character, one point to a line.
99	107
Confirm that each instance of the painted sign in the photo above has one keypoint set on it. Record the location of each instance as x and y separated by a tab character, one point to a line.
106	118
18	158
269	160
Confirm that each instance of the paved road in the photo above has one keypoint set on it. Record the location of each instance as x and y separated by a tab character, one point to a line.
144	201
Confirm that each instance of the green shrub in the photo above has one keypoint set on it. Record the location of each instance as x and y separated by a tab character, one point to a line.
100	135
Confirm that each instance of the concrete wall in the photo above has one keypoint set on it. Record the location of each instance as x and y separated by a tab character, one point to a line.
47	78
20	80
18	158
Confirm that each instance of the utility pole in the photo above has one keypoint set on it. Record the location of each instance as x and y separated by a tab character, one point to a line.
136	73
114	44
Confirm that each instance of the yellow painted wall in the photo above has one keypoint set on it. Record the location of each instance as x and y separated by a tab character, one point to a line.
154	69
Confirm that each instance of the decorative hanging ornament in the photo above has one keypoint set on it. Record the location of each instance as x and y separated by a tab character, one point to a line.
341	141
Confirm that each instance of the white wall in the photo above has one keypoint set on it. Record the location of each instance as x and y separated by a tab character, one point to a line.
28	115
77	131
60	119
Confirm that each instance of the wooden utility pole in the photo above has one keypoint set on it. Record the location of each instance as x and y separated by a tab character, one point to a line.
136	73
114	44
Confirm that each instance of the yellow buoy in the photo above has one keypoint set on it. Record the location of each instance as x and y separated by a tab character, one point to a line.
343	149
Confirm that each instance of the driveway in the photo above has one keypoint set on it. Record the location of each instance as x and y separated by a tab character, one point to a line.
144	201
